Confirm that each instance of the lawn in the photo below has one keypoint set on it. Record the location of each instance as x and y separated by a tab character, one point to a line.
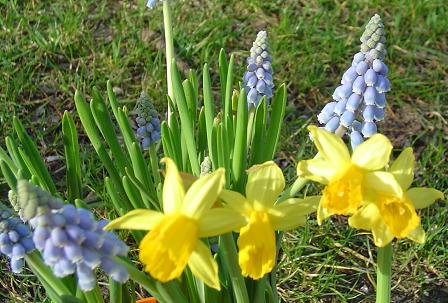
51	48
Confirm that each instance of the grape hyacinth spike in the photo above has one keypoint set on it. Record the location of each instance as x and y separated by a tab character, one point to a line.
15	239
70	239
358	103
257	79
148	122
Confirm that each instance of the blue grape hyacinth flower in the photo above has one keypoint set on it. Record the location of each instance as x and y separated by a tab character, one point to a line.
15	239
152	3
148	122
359	102
257	80
69	238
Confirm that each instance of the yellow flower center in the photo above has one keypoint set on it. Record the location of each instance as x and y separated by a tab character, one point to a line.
398	214
343	195
165	250
257	246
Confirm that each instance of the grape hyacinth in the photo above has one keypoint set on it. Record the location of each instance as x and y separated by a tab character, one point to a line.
15	239
148	122
152	3
257	79
360	100
69	238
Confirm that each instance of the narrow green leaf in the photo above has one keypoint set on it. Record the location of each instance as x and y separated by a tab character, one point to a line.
240	152
4	157
104	123
8	174
72	159
191	101
223	66
112	99
258	144
133	195
91	130
13	151
167	142
186	123
209	108
228	116
36	161
276	121
126	129
116	291
202	135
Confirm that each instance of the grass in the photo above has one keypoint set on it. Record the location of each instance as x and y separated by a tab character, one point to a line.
49	49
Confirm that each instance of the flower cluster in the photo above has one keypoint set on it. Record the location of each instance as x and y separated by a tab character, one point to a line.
69	238
152	3
15	239
148	122
257	79
357	185
361	95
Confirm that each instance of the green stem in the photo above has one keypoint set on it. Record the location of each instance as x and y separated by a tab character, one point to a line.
383	274
167	23
230	256
155	168
293	189
34	260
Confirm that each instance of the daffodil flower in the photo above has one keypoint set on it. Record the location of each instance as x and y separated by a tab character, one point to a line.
257	246
173	240
346	177
394	216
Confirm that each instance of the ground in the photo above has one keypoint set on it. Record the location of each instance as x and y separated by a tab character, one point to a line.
51	48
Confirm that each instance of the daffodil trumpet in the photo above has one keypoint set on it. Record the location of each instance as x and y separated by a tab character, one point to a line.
173	240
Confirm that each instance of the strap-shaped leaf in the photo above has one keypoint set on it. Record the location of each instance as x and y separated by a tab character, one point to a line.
275	125
240	149
259	134
72	159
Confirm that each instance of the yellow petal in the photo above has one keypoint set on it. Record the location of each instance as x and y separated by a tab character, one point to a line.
173	188
265	183
166	249
295	211
382	182
235	200
403	168
141	219
257	248
369	218
423	197
322	213
373	154
203	193
203	265
330	146
218	221
418	235
317	169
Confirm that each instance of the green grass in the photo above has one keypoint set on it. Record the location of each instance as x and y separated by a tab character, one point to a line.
49	49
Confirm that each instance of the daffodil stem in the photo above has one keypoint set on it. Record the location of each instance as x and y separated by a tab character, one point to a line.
230	256
250	126
167	23
383	274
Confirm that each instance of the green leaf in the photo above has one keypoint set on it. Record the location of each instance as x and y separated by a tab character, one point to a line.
258	144
13	151
276	121
223	66
240	152
72	159
35	163
186	122
209	110
8	174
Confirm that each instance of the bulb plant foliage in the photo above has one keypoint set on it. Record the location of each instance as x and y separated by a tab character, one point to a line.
206	228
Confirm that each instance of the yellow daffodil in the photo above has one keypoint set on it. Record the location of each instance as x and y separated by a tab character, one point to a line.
257	247
173	240
394	216
347	176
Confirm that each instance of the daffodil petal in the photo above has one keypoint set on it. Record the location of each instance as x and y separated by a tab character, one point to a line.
382	182
322	213
418	235
403	168
265	183
235	200
203	265
373	154
218	221
294	212
365	217
369	218
317	169
423	197
330	146
140	219
173	188
203	193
